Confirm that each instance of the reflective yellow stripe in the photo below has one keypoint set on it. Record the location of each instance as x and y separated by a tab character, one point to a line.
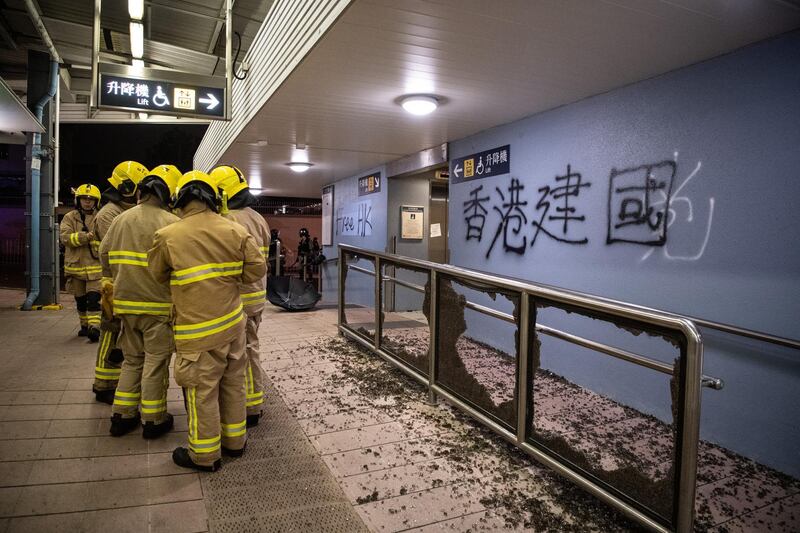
234	430
264	250
126	403
74	239
251	385
209	327
154	402
83	270
128	394
108	374
253	297
154	406
95	243
195	444
130	307
126	257
206	271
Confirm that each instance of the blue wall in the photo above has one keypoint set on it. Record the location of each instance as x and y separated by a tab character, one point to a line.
722	140
372	235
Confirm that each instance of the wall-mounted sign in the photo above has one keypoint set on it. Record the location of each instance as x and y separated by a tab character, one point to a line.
159	91
369	184
327	215
412	219
481	165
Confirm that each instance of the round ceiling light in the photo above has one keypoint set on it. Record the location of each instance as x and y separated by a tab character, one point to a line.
419	104
299	166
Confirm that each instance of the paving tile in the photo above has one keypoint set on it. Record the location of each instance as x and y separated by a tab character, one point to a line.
63	448
19	450
340	421
124	520
168	442
130	444
79	384
88	427
783	515
52	522
38	397
8	500
381	457
167	489
14	473
28	412
181	517
480	521
78	411
7	398
60	471
118	467
23	429
50	499
78	396
160	464
352	439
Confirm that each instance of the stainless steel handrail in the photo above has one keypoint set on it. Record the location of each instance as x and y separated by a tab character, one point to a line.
691	377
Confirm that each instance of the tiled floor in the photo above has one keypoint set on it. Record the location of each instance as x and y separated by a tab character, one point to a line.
400	463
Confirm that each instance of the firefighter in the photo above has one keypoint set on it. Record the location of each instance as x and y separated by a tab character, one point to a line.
81	262
116	199
144	307
205	257
237	201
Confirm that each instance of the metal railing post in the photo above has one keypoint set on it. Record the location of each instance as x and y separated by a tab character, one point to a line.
692	382
523	357
340	288
433	346
378	290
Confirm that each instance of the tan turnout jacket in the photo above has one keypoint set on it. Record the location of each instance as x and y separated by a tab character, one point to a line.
253	294
205	257
78	249
123	254
106	215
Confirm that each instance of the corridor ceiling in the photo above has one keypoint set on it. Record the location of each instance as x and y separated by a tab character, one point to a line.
186	35
491	62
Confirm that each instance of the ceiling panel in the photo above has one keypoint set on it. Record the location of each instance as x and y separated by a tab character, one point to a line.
490	64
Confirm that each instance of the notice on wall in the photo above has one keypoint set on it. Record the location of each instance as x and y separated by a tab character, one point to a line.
412	222
436	230
484	164
354	219
327	215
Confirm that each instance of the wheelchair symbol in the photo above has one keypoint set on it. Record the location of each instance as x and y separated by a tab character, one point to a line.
160	99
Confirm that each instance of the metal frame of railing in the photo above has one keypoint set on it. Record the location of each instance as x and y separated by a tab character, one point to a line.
691	361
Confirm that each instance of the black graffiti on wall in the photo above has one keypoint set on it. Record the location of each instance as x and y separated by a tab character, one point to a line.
633	216
565	213
475	214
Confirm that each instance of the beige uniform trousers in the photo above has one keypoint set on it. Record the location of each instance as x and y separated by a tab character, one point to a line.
214	391
106	373
147	343
254	378
78	288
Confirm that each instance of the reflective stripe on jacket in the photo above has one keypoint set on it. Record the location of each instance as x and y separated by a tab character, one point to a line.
254	294
204	258
123	253
79	262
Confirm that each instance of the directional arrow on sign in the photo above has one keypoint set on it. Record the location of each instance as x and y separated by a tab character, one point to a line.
457	171
211	101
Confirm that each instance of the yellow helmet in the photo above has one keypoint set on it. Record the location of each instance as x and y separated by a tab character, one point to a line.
169	174
196	177
126	177
230	179
87	190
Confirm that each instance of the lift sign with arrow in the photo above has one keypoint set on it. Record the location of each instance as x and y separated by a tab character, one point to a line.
481	165
154	91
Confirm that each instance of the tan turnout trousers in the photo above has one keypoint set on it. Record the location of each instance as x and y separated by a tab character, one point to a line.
254	380
147	342
214	383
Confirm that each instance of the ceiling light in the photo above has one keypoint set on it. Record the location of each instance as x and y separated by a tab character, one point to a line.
299	166
419	104
143	116
137	39
136	9
138	63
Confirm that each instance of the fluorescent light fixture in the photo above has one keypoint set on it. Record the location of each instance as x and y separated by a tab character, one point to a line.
419	104
137	40
143	116
136	9
299	166
138	63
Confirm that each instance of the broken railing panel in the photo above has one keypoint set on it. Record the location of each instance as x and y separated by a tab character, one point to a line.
359	300
478	369
405	331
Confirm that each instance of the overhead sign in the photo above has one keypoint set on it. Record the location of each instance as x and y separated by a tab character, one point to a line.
369	184
481	165
159	91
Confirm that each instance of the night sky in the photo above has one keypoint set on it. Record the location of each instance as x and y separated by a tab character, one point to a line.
90	152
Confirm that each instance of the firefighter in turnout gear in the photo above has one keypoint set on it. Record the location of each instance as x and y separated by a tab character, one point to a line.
144	307
205	258
81	261
116	199
236	200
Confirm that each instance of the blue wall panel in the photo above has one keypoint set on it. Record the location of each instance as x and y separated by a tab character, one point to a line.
713	233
